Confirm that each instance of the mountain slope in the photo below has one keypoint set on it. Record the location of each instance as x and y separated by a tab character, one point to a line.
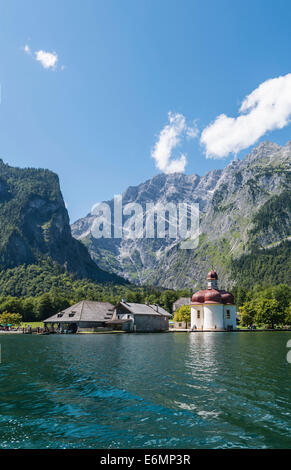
34	224
244	209
138	259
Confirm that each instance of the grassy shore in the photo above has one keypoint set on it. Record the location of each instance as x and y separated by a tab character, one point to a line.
33	324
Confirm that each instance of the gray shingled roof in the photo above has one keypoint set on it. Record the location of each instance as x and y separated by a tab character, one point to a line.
86	310
143	309
183	301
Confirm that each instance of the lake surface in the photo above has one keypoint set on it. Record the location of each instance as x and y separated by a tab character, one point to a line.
175	390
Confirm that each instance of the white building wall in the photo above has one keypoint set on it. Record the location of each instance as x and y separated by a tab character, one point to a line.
213	317
232	320
197	323
125	316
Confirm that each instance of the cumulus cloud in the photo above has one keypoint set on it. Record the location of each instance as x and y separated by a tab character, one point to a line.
268	107
171	136
47	59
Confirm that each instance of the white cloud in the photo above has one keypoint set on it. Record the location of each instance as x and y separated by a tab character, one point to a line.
27	49
268	107
169	137
47	59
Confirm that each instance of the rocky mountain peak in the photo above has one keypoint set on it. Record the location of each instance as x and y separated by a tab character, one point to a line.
263	150
229	201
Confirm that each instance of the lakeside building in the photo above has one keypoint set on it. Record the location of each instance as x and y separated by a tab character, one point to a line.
142	317
180	302
84	316
92	316
181	325
213	309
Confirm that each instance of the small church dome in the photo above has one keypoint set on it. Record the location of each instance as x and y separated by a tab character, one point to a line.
212	275
227	297
198	297
213	295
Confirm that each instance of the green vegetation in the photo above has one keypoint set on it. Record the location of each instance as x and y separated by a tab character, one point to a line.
22	189
10	319
271	266
36	279
288	315
33	324
39	291
183	314
268	307
273	216
34	225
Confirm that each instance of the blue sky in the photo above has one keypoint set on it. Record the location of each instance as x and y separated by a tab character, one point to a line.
122	67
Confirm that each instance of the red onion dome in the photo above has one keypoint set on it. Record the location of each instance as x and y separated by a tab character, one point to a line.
198	297
213	295
227	297
212	275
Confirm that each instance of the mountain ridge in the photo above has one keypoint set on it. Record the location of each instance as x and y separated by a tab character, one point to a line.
229	200
34	224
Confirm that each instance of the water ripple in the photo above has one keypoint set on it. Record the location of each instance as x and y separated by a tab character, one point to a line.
132	391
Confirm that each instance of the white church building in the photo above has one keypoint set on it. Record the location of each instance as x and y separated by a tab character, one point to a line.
213	309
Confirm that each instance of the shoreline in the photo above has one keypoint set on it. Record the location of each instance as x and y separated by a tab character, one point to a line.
180	330
149	332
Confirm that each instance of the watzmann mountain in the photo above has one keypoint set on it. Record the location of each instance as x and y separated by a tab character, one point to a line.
245	215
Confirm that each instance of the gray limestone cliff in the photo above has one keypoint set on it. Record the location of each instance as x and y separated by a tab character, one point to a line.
245	205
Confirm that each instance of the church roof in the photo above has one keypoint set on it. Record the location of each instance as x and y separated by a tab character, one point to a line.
212	296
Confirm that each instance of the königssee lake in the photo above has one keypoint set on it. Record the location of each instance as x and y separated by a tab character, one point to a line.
176	390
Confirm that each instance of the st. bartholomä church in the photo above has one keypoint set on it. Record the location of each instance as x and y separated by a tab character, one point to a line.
213	309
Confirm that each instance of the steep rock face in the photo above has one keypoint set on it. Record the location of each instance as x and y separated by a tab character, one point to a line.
34	224
138	259
246	205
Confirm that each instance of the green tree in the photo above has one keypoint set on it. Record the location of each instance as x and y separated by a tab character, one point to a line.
240	295
269	312
58	301
28	309
167	299
45	307
7	318
247	313
11	304
288	315
183	313
282	293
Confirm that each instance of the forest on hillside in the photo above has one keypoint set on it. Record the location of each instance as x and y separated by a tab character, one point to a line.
38	291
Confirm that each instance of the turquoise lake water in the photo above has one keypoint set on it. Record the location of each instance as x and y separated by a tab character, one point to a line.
175	390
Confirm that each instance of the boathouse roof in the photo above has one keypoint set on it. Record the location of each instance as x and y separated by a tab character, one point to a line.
86	310
144	309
